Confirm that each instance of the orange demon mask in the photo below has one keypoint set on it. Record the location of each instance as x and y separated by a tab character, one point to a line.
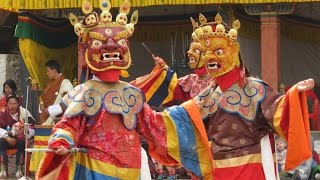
220	49
195	50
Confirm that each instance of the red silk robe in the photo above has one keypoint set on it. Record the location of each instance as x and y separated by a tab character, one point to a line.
108	120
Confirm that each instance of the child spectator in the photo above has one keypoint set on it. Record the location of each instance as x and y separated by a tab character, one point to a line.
281	146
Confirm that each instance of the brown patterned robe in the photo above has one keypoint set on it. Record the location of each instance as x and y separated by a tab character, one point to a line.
49	95
236	121
234	136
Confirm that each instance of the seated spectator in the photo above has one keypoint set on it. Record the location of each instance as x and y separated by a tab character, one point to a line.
9	87
316	169
159	168
281	146
303	171
12	120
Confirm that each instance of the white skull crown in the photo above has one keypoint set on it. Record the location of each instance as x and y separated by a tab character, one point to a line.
122	19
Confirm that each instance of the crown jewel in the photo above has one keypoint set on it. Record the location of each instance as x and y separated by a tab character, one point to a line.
92	19
205	29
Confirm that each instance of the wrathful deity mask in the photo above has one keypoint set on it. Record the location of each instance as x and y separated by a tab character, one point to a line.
194	54
104	43
219	46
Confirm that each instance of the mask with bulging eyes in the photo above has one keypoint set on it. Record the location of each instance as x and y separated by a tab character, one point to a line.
106	49
103	43
220	54
218	45
194	54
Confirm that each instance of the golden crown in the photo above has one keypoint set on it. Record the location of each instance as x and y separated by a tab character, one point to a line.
93	20
205	29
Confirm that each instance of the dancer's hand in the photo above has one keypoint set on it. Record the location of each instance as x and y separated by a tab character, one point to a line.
61	150
159	61
41	106
11	141
199	104
305	85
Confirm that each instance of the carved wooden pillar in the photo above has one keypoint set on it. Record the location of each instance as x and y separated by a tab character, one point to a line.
270	39
270	50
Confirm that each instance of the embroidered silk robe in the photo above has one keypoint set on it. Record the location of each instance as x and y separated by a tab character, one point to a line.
240	123
108	120
162	86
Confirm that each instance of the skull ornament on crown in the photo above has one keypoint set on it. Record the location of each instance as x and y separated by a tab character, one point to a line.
219	46
104	43
194	52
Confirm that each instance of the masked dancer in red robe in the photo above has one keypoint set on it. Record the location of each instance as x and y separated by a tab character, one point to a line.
107	116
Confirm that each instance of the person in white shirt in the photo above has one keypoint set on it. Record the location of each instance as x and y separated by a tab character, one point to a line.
53	92
8	117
